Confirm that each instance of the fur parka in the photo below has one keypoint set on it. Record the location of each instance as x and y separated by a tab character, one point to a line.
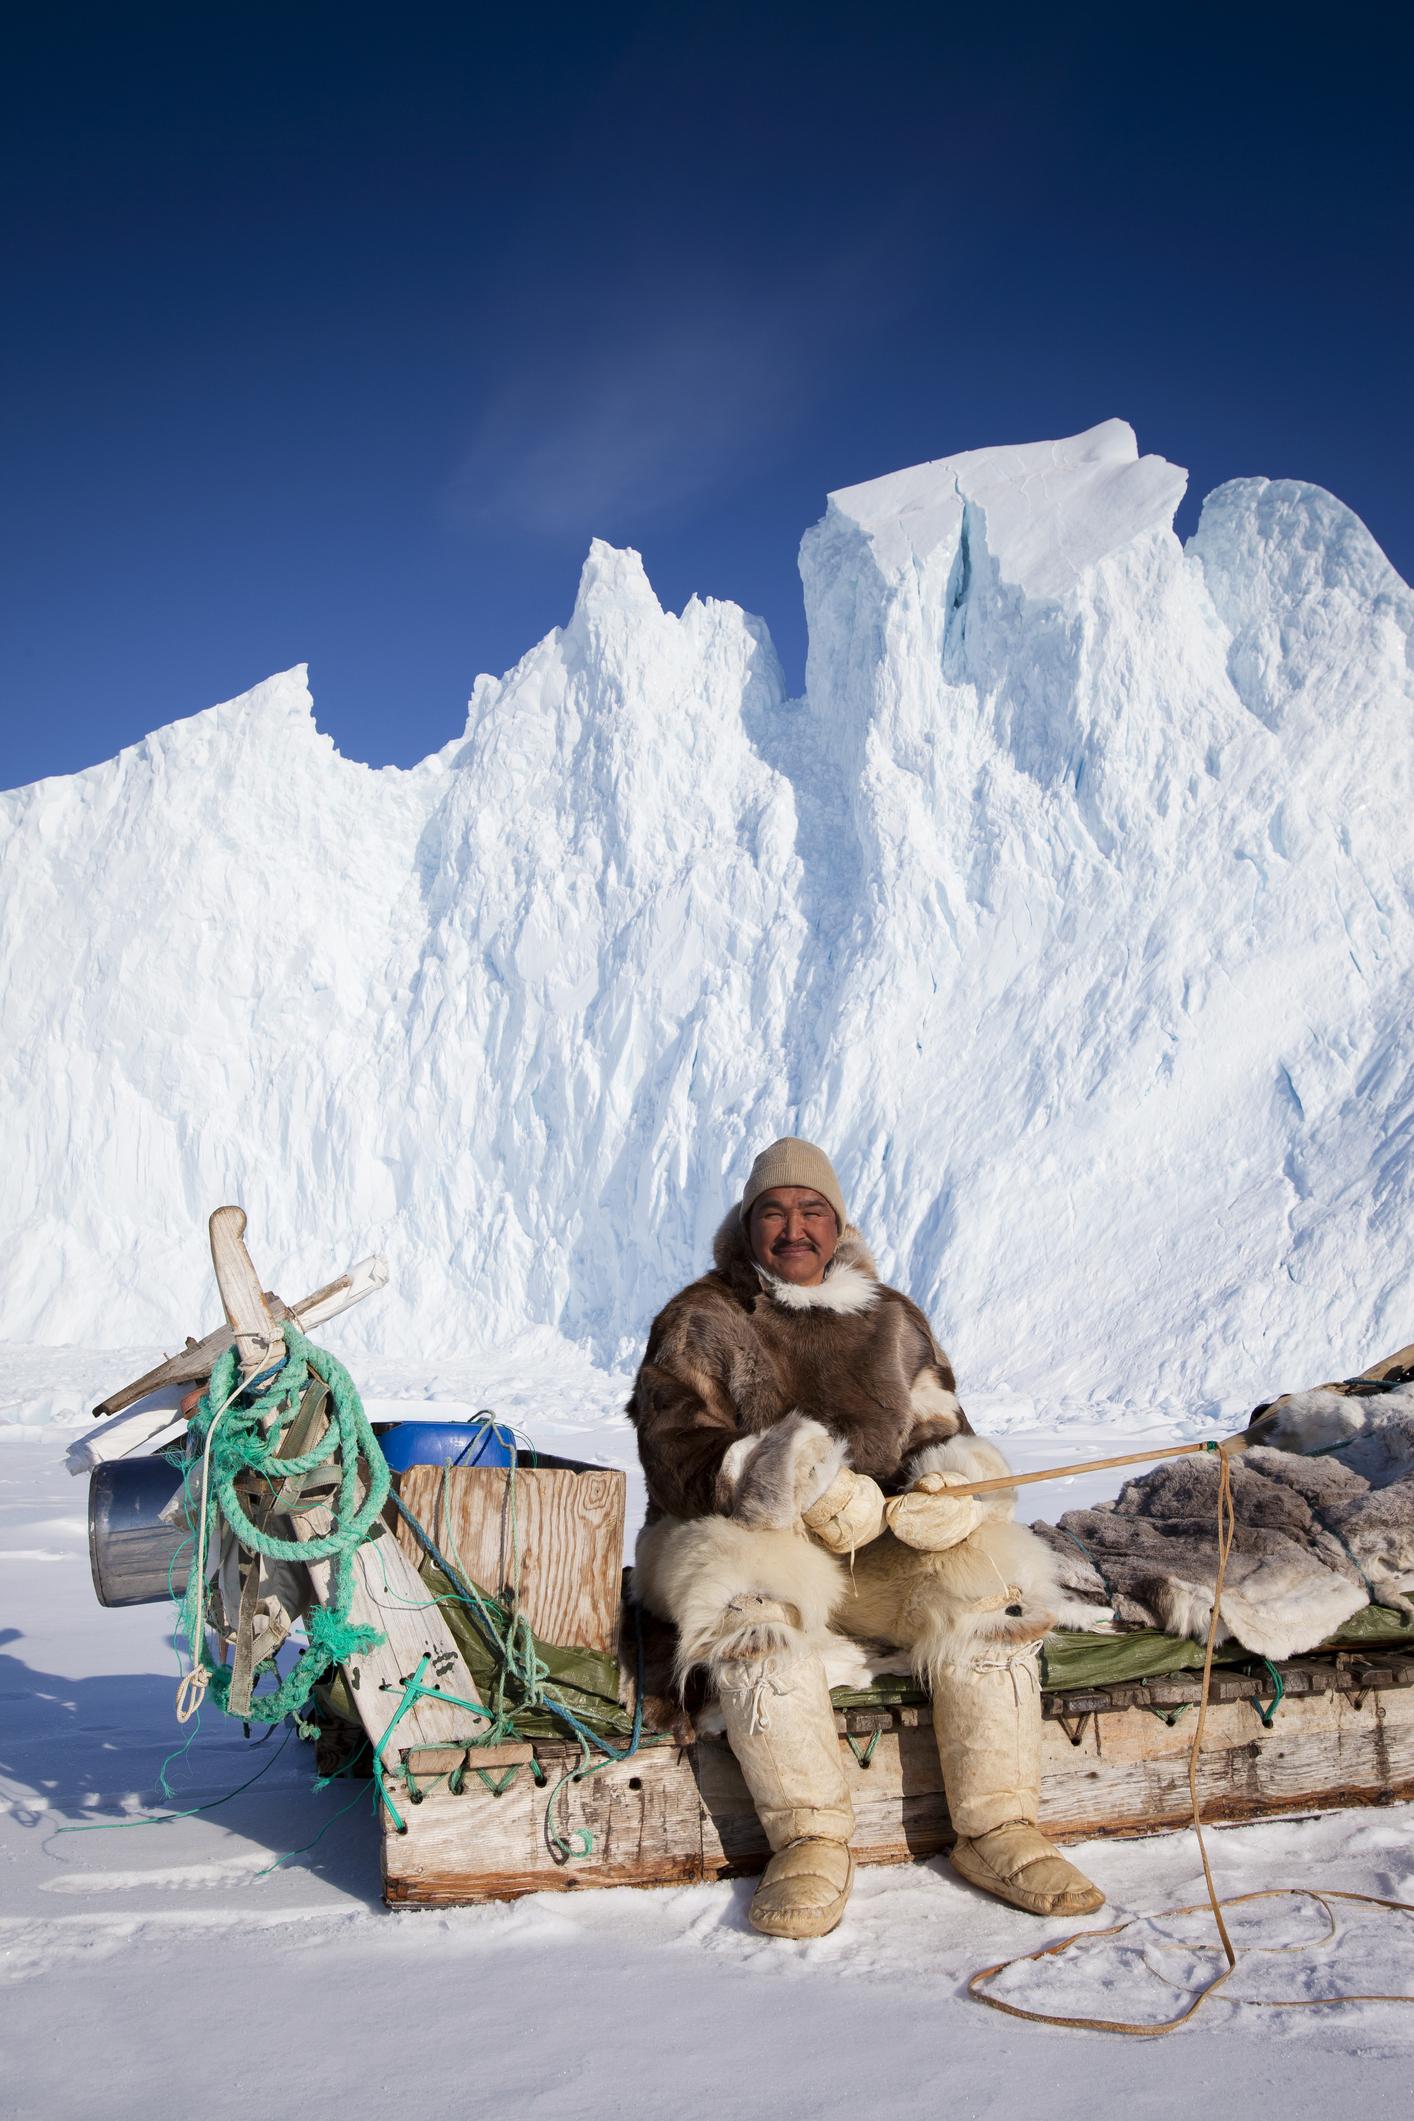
737	1352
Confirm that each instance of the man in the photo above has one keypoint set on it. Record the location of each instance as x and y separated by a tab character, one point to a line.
791	1410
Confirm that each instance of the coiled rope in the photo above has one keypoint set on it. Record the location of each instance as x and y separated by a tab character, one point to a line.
239	1432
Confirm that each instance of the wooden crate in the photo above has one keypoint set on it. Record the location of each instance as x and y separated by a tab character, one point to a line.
1112	1764
557	1533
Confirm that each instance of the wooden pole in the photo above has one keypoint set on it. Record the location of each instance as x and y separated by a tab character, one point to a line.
387	1594
1256	1432
198	1358
1242	1441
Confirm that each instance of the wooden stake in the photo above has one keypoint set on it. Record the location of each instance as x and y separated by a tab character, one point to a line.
260	1340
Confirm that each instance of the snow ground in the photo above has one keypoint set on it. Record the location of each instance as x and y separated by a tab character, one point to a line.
148	1969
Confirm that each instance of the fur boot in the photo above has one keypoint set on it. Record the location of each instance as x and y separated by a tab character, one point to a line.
781	1727
971	1615
753	1603
987	1721
805	1889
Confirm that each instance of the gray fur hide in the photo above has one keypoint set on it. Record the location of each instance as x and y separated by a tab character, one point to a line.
1317	1537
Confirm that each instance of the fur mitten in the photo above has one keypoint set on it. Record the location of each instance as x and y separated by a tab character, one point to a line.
849	1514
929	1517
773	1479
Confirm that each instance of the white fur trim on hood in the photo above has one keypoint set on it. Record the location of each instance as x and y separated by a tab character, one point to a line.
843	1289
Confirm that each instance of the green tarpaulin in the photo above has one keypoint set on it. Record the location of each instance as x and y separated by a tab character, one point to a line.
587	1681
1071	1658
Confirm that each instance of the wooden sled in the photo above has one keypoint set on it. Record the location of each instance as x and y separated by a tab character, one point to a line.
1114	1760
677	1814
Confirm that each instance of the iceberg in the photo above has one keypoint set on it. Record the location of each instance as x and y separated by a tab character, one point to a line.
1071	907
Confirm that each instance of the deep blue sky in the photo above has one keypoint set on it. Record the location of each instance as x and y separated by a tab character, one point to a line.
335	335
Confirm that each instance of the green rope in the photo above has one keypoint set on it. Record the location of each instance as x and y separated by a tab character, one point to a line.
111	1826
414	1691
867	1755
498	1787
248	1441
1269	1715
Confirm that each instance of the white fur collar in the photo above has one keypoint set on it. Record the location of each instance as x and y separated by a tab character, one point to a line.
843	1289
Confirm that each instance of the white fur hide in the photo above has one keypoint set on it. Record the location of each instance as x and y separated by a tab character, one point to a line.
696	1573
843	1289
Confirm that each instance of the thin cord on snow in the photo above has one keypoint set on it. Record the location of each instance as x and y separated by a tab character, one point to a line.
1226	1531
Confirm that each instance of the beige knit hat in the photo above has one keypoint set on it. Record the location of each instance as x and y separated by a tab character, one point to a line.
790	1162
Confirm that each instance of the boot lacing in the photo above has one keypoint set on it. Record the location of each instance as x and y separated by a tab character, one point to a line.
1001	1660
766	1681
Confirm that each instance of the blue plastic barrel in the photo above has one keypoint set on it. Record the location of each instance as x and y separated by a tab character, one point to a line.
447	1443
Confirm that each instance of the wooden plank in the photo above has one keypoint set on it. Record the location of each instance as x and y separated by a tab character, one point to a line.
1130	1773
259	1336
309	1427
1402	1359
388	1594
149	1428
644	1819
243	1648
195	1362
562	1541
674	1814
311	1420
446	1759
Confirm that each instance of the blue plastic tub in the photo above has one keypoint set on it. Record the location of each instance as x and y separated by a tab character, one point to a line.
447	1443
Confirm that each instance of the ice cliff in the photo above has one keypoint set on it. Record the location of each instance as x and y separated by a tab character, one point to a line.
1072	907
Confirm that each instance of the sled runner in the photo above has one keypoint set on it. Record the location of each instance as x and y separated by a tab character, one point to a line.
474	1649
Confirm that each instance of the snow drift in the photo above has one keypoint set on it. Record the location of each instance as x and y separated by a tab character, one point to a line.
1071	908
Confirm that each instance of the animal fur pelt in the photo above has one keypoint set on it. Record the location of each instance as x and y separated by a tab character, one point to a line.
735	1590
1317	1537
739	1589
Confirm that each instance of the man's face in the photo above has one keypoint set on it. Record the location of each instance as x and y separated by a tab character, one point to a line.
793	1232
